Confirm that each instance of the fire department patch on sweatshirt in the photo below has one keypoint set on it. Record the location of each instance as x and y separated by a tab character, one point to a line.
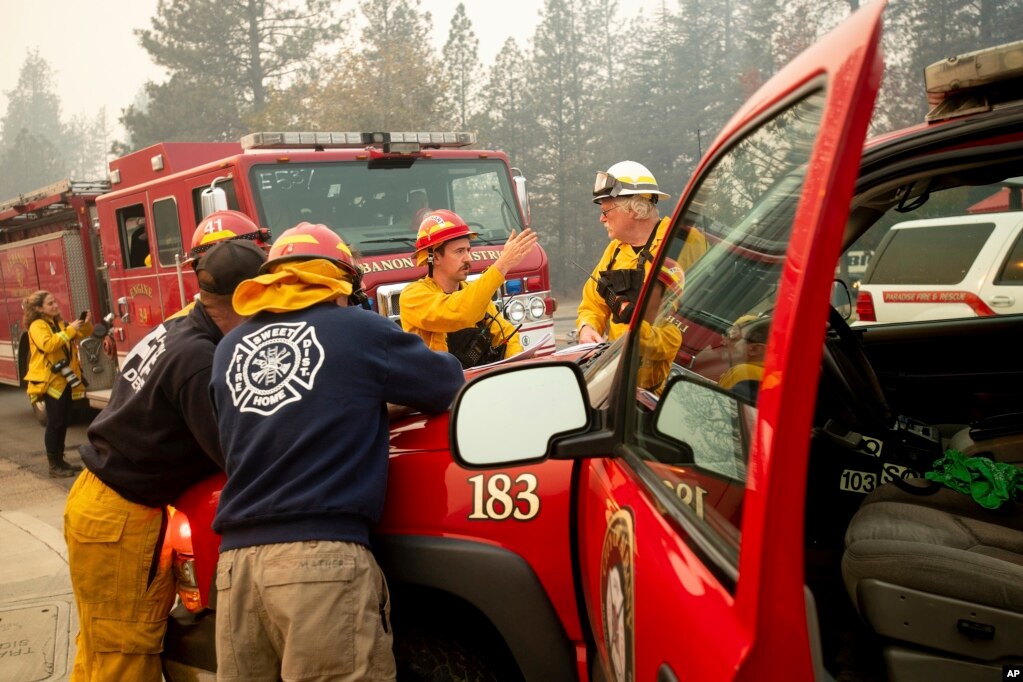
273	366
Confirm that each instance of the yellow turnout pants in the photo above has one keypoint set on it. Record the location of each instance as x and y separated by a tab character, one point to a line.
124	590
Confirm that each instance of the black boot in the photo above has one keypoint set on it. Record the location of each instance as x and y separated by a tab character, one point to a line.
59	467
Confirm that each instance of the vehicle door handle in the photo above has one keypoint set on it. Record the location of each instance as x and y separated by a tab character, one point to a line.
123	309
1002	301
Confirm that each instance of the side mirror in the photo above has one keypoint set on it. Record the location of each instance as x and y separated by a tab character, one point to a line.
519	180
512	415
699	423
213	198
841	299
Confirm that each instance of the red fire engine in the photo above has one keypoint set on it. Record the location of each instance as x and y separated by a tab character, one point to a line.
118	247
47	241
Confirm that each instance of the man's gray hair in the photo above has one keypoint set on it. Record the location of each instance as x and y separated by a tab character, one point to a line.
640	206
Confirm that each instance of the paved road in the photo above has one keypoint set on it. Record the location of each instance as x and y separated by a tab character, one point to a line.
37	614
564	320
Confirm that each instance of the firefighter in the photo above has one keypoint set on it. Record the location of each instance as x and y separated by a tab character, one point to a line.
217	227
660	336
222	225
746	345
627	194
450	314
54	371
301	390
155	438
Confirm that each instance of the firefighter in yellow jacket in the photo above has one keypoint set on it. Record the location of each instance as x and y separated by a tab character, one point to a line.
746	345
450	314
660	334
627	194
54	371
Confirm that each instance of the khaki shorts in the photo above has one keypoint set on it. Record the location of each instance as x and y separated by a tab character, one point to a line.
303	611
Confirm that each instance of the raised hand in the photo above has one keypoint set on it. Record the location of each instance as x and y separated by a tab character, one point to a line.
515	250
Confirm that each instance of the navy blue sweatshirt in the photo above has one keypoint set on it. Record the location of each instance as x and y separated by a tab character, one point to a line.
302	401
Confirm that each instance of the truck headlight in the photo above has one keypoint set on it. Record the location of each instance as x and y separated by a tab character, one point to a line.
537	308
515	312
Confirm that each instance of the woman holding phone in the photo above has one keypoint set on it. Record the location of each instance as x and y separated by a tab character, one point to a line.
54	371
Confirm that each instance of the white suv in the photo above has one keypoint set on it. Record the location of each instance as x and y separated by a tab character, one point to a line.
945	268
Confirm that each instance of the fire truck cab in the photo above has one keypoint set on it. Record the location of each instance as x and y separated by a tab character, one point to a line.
368	187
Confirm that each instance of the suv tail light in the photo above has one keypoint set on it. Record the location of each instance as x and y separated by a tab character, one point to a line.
865	307
179	541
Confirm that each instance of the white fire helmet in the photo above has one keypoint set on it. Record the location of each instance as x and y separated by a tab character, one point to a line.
624	178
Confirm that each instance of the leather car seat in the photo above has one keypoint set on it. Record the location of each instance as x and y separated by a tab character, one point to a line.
940	579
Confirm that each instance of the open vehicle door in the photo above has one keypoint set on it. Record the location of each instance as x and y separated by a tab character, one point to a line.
690	491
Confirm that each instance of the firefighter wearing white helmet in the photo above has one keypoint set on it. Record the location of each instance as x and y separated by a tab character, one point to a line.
627	194
446	311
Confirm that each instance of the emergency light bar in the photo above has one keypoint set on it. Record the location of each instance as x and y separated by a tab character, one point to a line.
960	85
396	142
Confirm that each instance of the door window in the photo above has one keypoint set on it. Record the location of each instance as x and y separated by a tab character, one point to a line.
928	255
168	230
699	360
1012	271
131	222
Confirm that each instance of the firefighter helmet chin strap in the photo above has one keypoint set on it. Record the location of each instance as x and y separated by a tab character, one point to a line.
358	297
429	262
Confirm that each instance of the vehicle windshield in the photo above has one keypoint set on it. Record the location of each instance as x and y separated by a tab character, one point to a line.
375	205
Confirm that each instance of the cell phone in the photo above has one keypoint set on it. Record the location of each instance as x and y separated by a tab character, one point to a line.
81	315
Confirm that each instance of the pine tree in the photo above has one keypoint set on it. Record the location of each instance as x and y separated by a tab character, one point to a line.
399	68
506	122
390	81
462	65
233	50
87	146
32	139
183	109
648	103
564	82
707	74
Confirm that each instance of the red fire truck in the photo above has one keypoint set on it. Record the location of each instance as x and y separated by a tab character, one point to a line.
47	241
118	247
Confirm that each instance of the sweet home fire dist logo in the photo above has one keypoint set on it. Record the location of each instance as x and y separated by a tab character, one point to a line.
271	367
